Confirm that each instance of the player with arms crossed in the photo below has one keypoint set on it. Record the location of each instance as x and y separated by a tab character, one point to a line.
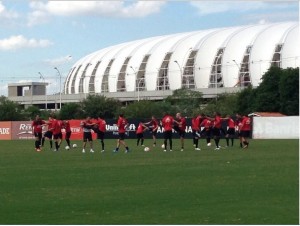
180	128
87	133
167	124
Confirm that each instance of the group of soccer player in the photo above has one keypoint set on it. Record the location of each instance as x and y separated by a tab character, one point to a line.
54	132
202	126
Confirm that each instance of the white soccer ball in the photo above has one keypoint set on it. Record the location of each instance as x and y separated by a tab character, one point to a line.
74	145
146	149
163	146
67	147
208	144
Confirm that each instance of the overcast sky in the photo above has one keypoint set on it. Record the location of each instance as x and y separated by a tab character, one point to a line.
37	36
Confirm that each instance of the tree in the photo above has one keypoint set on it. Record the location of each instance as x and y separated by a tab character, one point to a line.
246	101
226	105
9	111
289	91
95	105
31	112
71	111
185	100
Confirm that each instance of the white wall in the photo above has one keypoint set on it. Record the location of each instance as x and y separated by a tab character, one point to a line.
276	127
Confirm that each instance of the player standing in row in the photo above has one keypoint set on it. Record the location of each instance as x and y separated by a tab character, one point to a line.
122	125
101	129
206	131
180	128
140	133
230	130
245	128
167	124
67	127
87	133
57	134
37	127
196	120
216	128
154	128
49	133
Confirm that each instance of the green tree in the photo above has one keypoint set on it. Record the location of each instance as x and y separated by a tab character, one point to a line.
31	112
246	101
289	91
267	93
9	111
95	105
185	100
71	111
226	104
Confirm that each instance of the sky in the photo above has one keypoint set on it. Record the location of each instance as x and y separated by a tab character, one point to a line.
36	35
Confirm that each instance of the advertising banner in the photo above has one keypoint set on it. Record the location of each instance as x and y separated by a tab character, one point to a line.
5	131
22	130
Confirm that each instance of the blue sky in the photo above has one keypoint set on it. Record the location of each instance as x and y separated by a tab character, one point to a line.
37	36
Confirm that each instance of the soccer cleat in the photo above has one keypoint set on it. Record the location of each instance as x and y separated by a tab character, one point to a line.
197	149
83	151
127	151
92	151
171	150
181	149
217	148
165	150
115	151
102	151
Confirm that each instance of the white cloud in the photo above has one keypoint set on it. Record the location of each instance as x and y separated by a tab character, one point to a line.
42	11
6	14
20	42
58	61
213	7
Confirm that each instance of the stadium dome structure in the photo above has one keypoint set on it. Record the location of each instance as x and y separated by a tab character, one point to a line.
214	58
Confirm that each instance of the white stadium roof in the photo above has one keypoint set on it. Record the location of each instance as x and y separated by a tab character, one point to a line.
221	57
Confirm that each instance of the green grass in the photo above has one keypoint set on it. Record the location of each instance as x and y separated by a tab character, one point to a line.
232	186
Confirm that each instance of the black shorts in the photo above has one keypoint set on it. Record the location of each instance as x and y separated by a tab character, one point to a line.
48	134
57	136
230	131
100	135
121	136
196	134
245	133
181	133
168	134
139	135
87	136
154	132
38	135
68	135
216	132
206	132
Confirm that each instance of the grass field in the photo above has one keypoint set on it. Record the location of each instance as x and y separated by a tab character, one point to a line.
232	186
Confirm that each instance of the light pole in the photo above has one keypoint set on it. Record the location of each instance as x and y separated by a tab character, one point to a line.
59	74
138	85
239	77
180	69
42	77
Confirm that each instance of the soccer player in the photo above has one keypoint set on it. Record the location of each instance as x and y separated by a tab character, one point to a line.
87	126
101	129
49	133
238	128
37	126
57	134
167	123
140	133
230	130
245	130
154	128
207	124
67	127
216	128
180	128
122	125
196	120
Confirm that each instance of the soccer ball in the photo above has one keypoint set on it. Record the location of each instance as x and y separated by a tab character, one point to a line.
74	145
163	146
67	147
208	144
146	149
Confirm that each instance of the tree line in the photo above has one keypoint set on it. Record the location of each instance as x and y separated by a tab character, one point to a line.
277	92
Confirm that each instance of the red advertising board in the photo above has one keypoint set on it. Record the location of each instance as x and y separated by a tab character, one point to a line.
77	133
5	131
22	130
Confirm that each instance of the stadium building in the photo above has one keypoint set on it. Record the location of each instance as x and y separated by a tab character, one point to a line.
215	58
210	61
